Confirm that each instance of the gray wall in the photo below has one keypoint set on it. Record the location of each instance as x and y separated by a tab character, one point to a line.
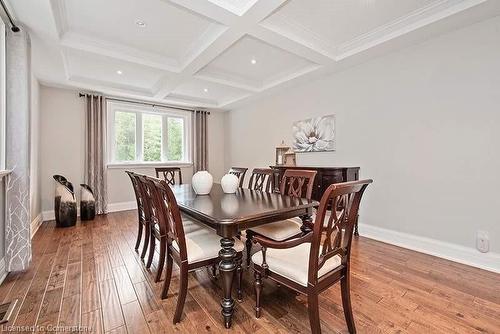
422	122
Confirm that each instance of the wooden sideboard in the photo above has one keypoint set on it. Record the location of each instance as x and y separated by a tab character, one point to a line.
325	177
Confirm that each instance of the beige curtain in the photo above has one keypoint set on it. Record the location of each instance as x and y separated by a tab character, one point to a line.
200	155
95	150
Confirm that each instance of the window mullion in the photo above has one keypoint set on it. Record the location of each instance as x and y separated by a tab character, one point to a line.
164	137
139	138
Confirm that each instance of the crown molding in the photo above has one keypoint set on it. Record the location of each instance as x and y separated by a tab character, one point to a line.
118	51
226	78
116	86
296	32
416	19
179	98
289	75
202	43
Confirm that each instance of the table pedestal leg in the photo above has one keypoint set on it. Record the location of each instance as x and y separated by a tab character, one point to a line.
227	267
306	223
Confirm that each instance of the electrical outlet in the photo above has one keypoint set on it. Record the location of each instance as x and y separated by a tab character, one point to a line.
482	241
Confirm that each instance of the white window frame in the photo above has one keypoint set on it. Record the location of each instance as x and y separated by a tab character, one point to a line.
139	110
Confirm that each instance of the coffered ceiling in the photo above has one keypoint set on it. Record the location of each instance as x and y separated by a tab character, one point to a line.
221	54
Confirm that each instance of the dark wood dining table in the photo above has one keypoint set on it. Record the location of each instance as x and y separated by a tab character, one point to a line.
229	214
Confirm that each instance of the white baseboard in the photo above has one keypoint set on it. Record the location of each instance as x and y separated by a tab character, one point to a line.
112	207
3	271
122	206
469	256
35	224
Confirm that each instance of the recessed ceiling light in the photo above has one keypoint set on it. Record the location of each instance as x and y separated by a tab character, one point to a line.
253	61
140	23
119	72
205	90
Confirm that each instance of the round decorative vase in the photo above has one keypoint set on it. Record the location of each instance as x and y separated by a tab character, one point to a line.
202	182
229	183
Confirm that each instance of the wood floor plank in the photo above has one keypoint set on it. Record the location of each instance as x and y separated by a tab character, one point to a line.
90	295
124	286
134	318
92	322
70	315
111	310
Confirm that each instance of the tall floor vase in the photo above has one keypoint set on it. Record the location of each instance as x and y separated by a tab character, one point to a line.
64	202
87	203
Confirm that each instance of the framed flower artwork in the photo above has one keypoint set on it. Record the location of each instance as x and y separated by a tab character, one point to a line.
314	134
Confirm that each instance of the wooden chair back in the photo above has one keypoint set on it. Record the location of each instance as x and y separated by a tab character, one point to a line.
240	173
168	215
150	207
335	236
139	196
168	174
297	183
261	179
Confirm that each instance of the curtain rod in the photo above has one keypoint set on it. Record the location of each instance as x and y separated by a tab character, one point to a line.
14	28
145	103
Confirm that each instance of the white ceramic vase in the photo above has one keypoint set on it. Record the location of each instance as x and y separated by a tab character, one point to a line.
229	183
202	182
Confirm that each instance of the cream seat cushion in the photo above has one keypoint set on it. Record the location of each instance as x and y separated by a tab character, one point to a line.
293	263
204	244
280	230
189	226
285	229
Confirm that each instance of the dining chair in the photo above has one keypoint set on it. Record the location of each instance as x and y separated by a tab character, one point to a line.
315	261
240	173
261	179
294	183
143	215
156	232
168	174
189	251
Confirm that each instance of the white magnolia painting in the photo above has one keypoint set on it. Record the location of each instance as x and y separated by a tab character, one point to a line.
314	134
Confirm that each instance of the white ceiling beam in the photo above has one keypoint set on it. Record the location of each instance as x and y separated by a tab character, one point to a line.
208	10
291	45
234	31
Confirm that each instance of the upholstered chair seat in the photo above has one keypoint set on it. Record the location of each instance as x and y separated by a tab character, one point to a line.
293	263
281	230
189	226
204	244
285	229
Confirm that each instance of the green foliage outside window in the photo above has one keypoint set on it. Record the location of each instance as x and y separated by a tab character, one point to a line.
175	137
125	136
152	137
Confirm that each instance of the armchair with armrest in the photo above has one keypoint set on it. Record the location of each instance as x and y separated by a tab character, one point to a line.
313	262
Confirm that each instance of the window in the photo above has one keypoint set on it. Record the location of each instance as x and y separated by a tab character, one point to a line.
147	135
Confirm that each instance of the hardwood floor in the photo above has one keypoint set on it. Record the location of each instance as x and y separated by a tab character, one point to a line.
89	275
